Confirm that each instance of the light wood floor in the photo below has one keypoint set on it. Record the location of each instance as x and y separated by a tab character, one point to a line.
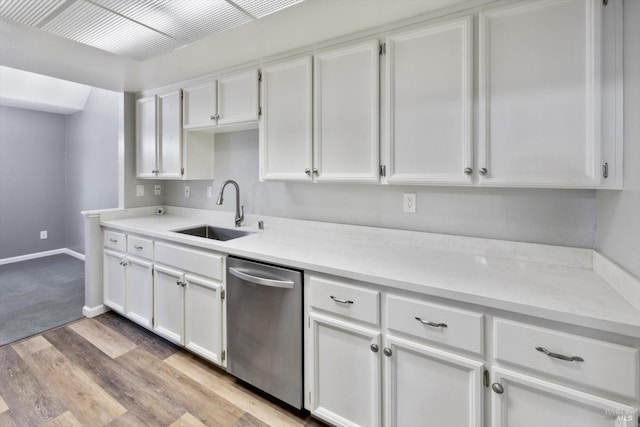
109	371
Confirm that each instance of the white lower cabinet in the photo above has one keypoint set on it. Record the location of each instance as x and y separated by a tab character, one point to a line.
168	303
345	361
427	386
203	317
139	291
114	279
522	401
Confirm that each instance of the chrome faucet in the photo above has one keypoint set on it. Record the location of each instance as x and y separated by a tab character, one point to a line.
239	209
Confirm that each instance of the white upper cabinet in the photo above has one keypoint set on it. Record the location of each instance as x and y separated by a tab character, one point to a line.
346	114
429	76
238	98
170	135
540	94
146	133
200	107
286	124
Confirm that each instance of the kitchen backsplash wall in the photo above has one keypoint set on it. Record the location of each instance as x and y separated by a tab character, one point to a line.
560	217
618	212
32	178
91	162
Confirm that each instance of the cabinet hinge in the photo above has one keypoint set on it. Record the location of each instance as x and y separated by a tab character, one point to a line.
224	355
182	171
223	294
309	398
152	270
153	321
259	76
383	49
309	322
606	2
259	111
485	378
383	170
605	170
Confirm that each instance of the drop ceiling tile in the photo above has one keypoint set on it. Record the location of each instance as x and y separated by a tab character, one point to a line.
87	23
260	8
186	21
28	12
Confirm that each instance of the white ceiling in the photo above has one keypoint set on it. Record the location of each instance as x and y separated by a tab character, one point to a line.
303	24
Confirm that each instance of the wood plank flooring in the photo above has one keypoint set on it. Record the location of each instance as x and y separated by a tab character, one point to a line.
107	371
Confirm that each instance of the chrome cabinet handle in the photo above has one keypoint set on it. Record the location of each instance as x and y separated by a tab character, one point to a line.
483	171
137	247
497	387
340	300
123	263
113	240
374	348
387	352
213	117
263	281
217	116
428	323
307	171
179	283
560	356
315	171
468	171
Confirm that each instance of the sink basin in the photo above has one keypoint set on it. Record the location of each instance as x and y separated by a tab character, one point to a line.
215	233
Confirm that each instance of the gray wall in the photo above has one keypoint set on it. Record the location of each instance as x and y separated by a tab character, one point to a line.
618	212
91	162
32	178
560	217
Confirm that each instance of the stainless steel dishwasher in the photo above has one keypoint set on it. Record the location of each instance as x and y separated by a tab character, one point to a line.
264	328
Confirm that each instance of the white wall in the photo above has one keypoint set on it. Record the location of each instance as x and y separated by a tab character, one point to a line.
32	176
618	212
91	162
560	217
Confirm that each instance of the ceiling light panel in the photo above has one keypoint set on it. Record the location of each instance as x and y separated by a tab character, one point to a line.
87	23
260	8
186	21
27	12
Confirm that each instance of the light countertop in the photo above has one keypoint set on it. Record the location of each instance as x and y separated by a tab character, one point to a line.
549	282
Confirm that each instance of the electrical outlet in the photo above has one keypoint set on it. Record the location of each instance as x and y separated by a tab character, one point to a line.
187	191
43	234
409	202
209	192
140	190
157	190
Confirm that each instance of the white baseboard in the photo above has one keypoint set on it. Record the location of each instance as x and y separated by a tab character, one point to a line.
94	311
42	255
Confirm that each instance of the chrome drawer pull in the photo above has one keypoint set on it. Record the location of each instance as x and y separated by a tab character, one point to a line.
435	325
341	301
560	356
137	247
113	240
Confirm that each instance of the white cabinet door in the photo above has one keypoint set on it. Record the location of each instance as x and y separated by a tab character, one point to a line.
426	386
170	134
168	303
286	123
430	104
346	372
346	114
540	90
146	143
238	98
140	291
199	105
528	401
203	317
114	280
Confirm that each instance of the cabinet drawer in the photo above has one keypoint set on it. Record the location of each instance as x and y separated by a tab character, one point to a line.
607	366
191	260
140	247
347	300
113	240
442	324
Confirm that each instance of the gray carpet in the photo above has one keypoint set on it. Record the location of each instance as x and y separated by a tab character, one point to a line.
39	294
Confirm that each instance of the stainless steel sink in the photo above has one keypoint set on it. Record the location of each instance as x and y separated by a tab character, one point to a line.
215	233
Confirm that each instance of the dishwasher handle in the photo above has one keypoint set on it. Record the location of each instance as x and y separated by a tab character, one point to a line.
244	275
